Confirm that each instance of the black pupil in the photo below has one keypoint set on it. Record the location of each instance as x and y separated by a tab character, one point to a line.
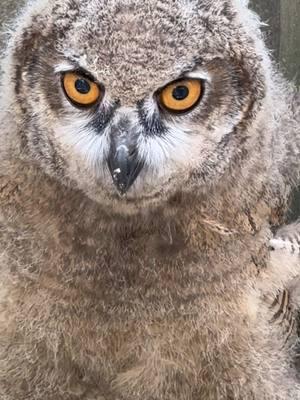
180	93
82	86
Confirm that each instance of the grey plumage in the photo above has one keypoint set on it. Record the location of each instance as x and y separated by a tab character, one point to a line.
169	290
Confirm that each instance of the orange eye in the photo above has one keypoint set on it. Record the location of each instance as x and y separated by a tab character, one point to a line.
80	90
181	95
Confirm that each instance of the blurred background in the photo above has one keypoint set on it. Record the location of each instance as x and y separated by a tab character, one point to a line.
282	32
283	38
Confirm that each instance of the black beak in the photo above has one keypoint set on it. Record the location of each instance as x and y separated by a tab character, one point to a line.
124	166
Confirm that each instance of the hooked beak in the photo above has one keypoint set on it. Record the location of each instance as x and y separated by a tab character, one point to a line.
124	165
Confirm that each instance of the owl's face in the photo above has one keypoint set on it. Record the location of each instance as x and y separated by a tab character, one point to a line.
135	101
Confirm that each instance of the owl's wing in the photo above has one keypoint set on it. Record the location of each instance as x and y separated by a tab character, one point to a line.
285	309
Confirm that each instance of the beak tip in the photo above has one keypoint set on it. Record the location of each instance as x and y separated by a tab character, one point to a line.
124	172
118	181
121	189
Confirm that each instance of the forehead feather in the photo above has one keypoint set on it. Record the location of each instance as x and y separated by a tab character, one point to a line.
134	46
131	36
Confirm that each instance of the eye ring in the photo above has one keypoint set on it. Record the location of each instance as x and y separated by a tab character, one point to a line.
81	90
182	95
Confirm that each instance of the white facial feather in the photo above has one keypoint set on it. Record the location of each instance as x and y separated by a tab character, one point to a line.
199	73
77	138
64	66
172	148
150	107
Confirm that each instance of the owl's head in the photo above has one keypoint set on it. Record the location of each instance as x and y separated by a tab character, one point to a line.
134	101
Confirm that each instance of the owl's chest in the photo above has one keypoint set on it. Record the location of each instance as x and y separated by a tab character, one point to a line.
152	318
164	333
140	273
171	271
165	311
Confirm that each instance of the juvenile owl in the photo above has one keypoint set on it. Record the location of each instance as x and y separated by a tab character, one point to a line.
147	150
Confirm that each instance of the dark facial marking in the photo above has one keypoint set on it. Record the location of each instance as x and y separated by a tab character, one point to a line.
152	126
101	118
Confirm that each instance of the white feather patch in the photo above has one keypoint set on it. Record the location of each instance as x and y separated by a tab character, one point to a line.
172	148
285	244
64	66
75	134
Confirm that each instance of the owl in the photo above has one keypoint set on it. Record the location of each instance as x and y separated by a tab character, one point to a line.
148	150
